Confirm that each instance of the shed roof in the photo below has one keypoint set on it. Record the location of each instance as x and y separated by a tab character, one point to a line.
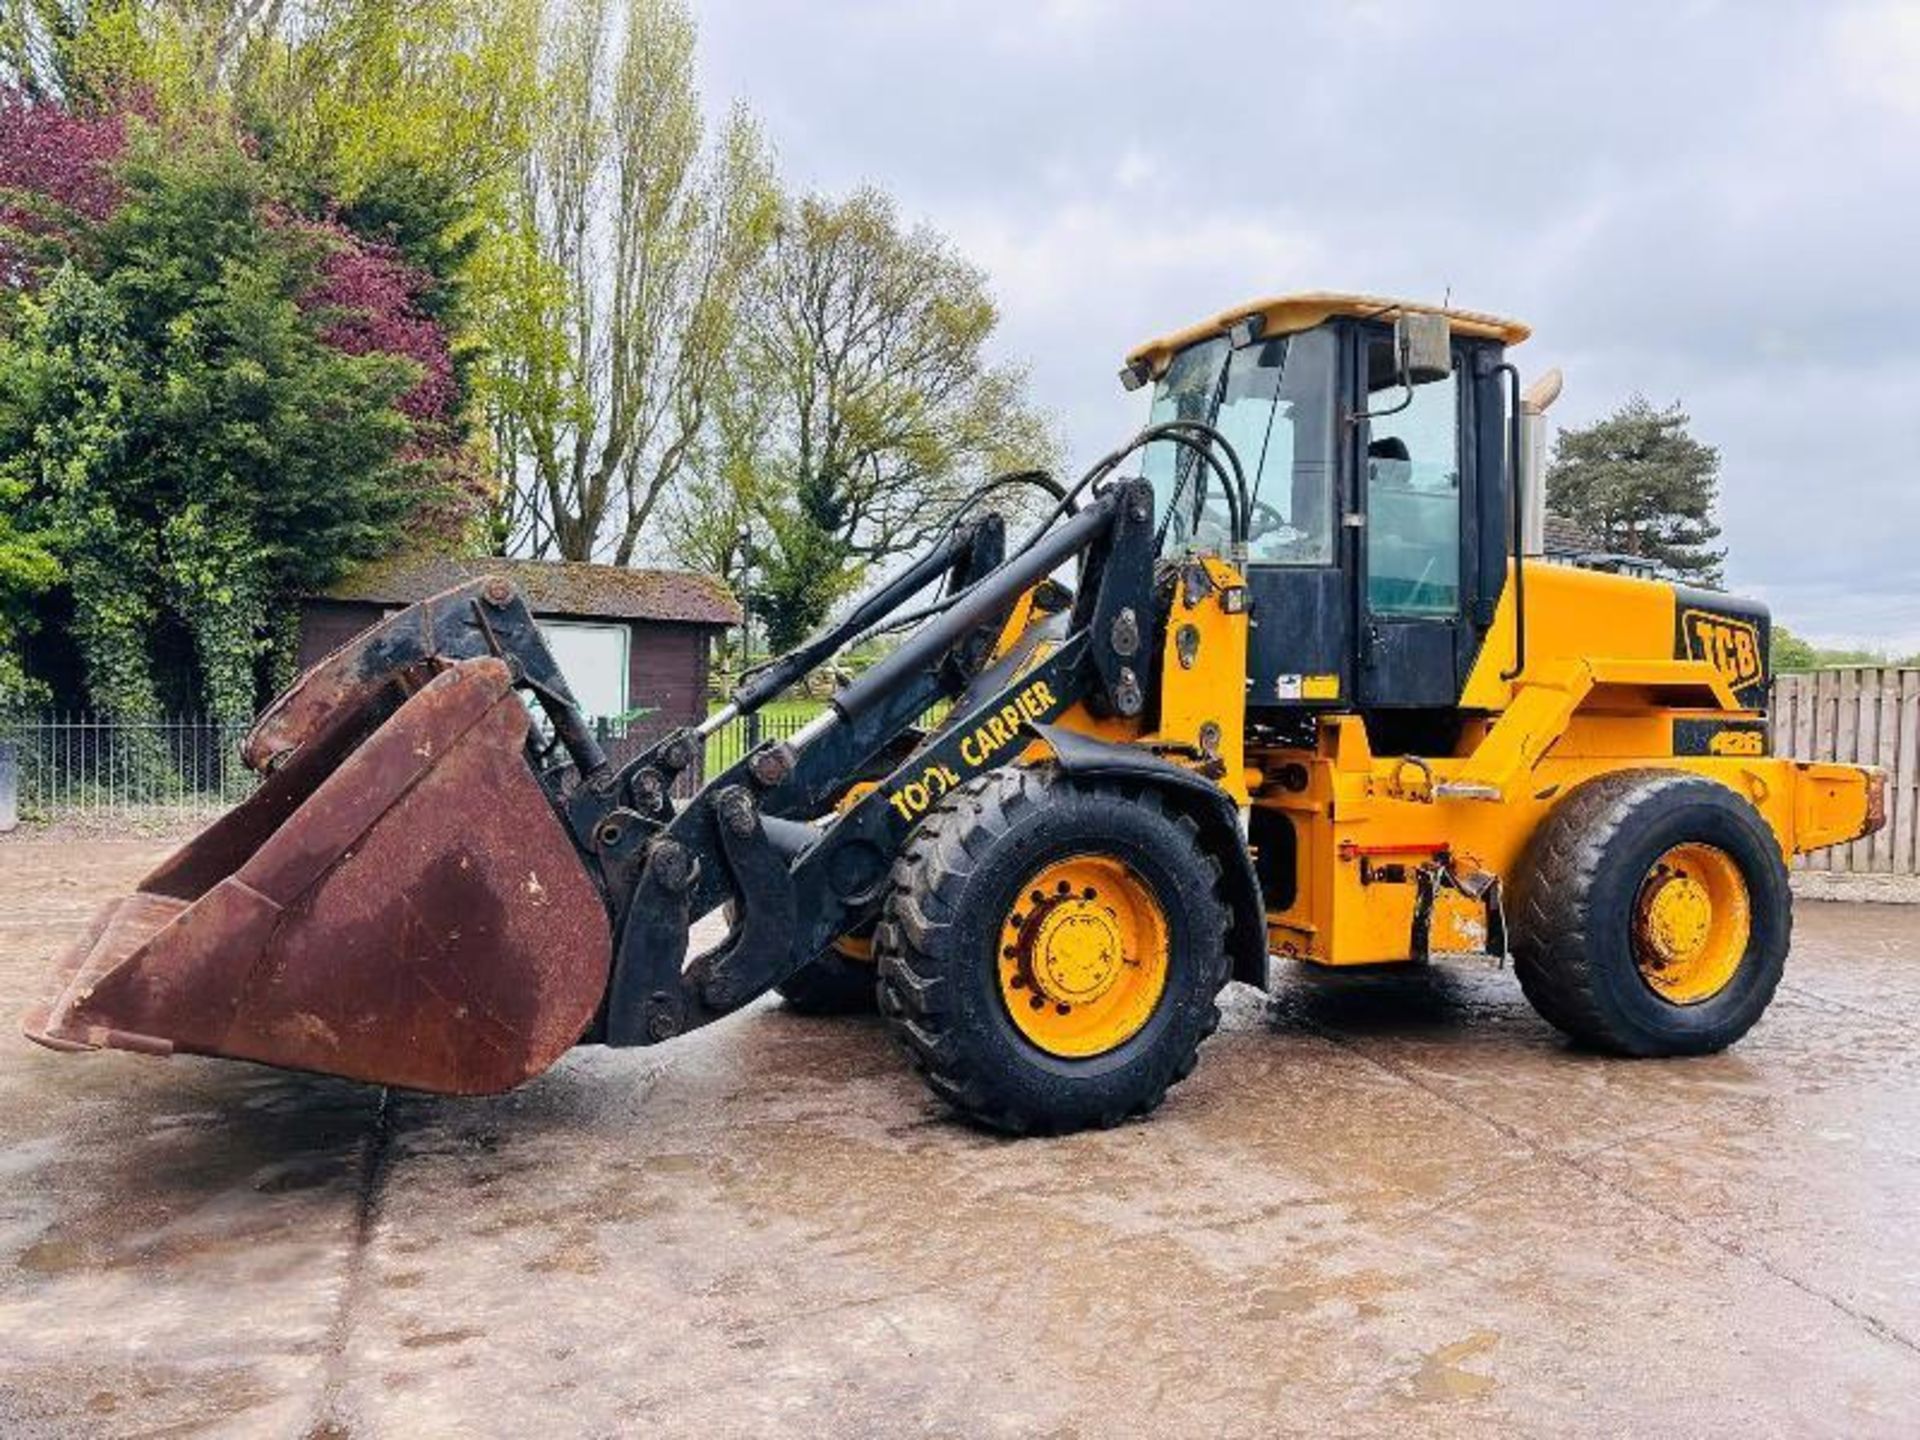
552	587
1569	537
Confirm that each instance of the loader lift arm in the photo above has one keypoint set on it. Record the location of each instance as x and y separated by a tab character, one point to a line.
964	555
796	887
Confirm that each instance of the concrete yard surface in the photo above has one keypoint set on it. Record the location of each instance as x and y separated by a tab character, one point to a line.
1383	1205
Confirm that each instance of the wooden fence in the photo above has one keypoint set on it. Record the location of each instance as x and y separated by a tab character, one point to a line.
1869	715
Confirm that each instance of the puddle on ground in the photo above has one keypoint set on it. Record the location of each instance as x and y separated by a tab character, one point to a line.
1440	1376
433	1339
53	1257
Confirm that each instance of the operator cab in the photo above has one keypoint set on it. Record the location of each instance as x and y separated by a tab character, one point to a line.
1372	434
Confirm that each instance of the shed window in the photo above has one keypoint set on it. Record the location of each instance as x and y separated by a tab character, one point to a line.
593	657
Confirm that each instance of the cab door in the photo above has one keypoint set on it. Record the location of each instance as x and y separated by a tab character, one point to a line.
1413	483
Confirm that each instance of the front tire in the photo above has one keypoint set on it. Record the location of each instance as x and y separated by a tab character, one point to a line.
1051	951
1651	915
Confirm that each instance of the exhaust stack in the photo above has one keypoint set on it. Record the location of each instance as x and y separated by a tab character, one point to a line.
1533	460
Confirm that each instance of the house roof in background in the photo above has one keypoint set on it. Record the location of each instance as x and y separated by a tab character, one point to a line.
1569	537
552	587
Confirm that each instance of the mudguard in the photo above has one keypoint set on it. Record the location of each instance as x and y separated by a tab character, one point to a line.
1209	806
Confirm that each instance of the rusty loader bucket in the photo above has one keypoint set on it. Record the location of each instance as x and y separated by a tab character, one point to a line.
399	901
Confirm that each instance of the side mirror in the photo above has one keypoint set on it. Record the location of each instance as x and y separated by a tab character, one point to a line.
1423	346
1422	354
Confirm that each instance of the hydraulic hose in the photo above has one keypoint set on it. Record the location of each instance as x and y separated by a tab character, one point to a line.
972	605
1172	430
1202	439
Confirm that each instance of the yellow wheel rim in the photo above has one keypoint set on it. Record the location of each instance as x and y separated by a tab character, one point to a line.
1083	956
1691	921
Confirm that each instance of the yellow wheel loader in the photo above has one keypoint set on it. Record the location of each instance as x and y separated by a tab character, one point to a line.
1277	677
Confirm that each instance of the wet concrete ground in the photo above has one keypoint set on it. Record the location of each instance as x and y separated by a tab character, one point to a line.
1381	1205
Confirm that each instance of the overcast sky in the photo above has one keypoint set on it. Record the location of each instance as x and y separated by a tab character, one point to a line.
1715	203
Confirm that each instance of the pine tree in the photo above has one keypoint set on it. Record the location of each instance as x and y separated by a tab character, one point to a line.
1644	486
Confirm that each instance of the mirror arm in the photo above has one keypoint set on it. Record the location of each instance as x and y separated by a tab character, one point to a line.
1403	371
1406	399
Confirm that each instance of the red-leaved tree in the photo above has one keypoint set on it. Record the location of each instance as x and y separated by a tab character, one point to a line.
56	179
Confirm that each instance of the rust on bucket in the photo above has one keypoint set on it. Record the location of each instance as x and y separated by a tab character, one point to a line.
400	906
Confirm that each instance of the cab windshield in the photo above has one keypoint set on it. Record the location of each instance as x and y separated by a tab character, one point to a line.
1273	400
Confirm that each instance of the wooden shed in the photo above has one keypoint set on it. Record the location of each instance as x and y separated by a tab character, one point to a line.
628	639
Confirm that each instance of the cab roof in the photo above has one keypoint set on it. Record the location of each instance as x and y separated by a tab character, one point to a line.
1285	314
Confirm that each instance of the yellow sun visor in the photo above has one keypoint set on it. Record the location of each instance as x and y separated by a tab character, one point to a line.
1287	314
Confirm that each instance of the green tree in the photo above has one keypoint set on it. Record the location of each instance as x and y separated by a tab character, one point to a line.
1825	656
1647	487
870	341
408	122
612	312
92	52
269	458
357	90
67	377
28	569
181	430
1788	653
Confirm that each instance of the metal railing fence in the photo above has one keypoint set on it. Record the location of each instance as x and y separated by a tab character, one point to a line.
181	767
187	768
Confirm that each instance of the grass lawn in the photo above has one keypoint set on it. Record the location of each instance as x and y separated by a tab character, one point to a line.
778	719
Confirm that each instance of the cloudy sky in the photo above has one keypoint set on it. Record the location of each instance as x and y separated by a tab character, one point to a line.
1715	203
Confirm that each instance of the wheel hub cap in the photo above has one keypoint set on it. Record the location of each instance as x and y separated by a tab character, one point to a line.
1076	954
1083	956
1692	920
1679	914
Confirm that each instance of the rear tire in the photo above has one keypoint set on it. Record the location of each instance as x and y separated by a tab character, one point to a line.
1143	935
1595	951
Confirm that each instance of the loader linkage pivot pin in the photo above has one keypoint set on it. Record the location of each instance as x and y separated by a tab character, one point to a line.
735	808
671	864
771	765
649	791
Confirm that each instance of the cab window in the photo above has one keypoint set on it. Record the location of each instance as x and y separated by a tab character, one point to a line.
1273	401
1413	491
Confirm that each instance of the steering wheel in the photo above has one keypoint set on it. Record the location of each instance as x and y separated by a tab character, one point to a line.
1266	523
1269	523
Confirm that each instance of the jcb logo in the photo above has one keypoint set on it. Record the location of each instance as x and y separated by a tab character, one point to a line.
1731	646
